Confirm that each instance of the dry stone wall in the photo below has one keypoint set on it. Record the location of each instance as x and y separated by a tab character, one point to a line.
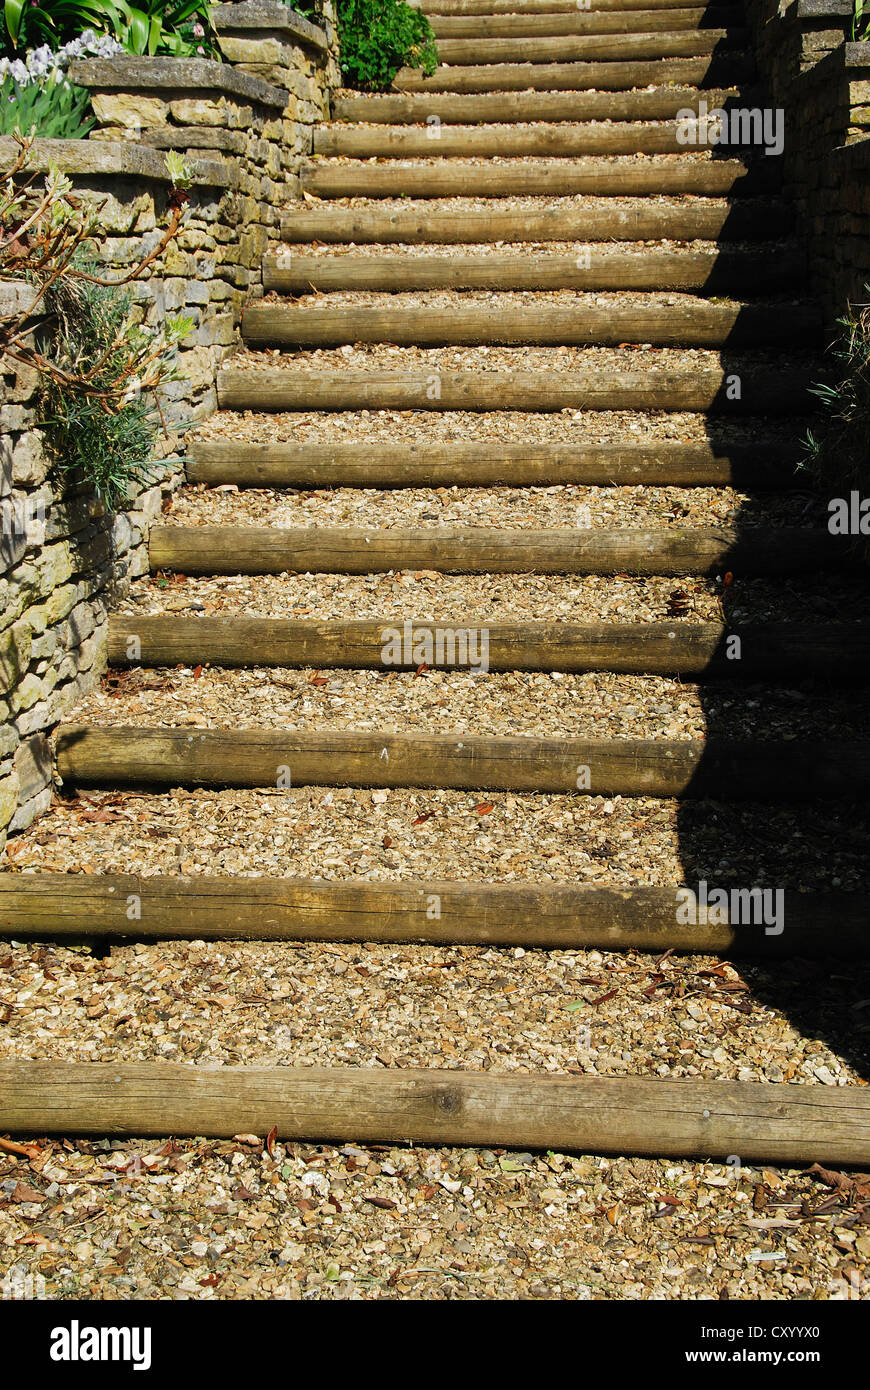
244	126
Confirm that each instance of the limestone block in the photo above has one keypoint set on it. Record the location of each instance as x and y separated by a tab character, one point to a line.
200	111
33	763
8	798
129	110
30	810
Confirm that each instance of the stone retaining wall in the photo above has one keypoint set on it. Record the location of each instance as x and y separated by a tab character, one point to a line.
809	66
244	126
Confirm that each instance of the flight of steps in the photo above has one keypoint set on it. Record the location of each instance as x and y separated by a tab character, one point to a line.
518	240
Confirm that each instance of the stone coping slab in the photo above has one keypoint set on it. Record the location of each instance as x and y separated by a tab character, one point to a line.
127	73
127	159
267	16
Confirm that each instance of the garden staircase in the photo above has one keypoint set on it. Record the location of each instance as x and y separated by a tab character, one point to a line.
531	193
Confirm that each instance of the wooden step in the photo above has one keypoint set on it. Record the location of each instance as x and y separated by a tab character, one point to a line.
643	220
579	48
491	550
659	104
713	272
728	70
565	140
546	916
692	323
727	769
529	7
782	391
539	177
621	21
668	649
766	464
763	1121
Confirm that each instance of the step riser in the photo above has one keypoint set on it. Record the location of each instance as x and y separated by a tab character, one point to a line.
567	1114
546	141
725	71
781	393
645	649
476	550
427	225
592	48
478	465
692	325
536	7
136	757
507	107
712	272
544	917
517	26
710	178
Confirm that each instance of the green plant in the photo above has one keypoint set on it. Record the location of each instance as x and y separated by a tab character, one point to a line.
839	453
90	329
56	109
861	20
377	37
176	27
45	21
101	370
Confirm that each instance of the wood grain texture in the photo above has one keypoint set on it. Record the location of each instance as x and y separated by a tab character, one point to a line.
627	21
491	550
723	768
776	391
587	1114
658	104
657	464
549	916
690	324
567	140
535	178
522	24
590	48
837	651
286	272
728	70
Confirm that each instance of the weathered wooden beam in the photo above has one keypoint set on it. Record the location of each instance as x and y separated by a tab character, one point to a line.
567	140
492	550
551	178
626	1115
427	222
590	48
622	21
657	104
764	464
838	651
288	272
775	391
548	916
728	769
693	323
728	70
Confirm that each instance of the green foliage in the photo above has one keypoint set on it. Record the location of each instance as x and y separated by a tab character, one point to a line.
861	20
839	454
176	27
108	441
57	110
49	21
377	37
